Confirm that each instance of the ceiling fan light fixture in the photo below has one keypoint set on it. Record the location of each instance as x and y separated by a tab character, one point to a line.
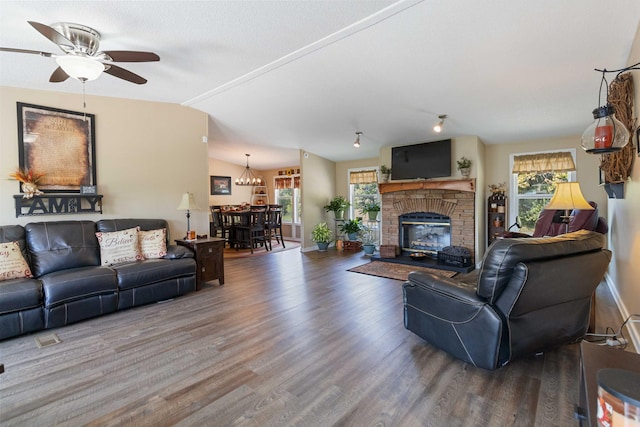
80	67
356	143
438	126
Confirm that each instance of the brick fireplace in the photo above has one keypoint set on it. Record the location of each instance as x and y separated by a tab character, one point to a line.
452	198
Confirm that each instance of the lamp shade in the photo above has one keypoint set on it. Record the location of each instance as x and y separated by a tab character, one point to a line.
568	197
80	67
188	203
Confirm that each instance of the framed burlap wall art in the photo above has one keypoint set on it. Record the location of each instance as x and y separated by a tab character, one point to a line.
59	144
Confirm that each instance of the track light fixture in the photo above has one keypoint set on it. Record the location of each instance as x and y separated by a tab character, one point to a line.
438	126
356	143
606	134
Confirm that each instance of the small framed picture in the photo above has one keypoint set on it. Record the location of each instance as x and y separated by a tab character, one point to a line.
220	185
88	189
638	140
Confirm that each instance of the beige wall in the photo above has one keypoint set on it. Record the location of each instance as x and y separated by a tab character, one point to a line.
147	155
624	229
239	194
318	177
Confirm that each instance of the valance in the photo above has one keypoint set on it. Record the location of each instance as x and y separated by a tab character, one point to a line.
561	161
363	177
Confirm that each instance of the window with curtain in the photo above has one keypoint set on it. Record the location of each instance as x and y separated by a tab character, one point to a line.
363	188
287	194
534	179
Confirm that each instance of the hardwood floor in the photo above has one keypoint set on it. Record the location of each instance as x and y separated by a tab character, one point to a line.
290	339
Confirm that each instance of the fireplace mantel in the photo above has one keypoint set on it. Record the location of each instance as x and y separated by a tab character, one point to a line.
449	184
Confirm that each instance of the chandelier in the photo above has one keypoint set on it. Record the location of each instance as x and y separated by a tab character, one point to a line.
248	177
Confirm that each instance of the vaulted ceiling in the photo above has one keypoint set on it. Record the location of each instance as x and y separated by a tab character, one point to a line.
279	76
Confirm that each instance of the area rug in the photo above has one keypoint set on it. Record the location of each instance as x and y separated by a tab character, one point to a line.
230	253
396	271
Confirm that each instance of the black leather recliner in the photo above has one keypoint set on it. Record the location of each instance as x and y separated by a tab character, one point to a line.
532	294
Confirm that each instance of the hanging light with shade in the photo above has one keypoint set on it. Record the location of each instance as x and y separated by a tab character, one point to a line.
356	143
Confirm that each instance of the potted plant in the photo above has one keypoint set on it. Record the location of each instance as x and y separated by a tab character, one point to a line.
351	228
337	205
371	208
464	166
322	235
385	173
368	240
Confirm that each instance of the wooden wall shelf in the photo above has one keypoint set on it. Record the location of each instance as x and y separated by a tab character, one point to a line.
451	184
58	204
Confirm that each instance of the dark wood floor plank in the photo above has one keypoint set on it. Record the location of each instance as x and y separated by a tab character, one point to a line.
291	339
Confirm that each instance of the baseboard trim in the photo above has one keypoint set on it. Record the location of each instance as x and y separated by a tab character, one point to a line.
624	312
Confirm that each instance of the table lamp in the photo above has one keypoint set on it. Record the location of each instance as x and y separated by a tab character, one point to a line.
568	197
188	203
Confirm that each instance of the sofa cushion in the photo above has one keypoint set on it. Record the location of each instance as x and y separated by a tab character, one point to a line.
137	274
119	246
20	294
14	233
59	245
78	283
12	263
145	224
153	243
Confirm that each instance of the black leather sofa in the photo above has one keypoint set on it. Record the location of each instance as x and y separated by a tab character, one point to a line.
69	283
532	294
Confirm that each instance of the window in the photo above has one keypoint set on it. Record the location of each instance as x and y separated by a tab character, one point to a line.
534	181
287	194
363	188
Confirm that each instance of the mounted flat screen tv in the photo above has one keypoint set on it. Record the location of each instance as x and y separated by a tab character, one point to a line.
421	161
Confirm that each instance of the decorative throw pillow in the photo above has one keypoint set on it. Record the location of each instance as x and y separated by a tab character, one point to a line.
153	243
12	263
119	246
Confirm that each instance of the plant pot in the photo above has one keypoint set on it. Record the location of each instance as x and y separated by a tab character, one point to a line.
369	249
339	214
352	236
372	215
465	172
322	246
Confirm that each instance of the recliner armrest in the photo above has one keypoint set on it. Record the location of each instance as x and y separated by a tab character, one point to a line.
452	288
177	252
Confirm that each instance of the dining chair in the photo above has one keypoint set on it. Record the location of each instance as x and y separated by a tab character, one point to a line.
251	232
273	226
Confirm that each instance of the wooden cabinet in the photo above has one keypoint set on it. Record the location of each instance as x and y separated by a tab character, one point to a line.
594	357
209	254
496	216
260	196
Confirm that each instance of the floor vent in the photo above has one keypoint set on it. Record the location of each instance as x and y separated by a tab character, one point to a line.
47	340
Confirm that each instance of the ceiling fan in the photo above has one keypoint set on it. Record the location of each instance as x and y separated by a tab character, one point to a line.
81	59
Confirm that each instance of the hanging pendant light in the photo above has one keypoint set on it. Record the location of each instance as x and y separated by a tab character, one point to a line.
248	177
606	134
356	143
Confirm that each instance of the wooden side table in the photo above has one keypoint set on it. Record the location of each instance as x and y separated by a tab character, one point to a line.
209	254
594	357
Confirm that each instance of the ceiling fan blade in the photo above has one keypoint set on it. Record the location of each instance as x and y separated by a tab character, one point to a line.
58	76
35	52
131	56
51	34
124	74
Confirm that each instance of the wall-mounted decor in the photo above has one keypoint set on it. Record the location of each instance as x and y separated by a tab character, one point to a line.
220	185
59	144
638	140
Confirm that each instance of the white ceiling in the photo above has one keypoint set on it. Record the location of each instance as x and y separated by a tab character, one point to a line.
278	76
